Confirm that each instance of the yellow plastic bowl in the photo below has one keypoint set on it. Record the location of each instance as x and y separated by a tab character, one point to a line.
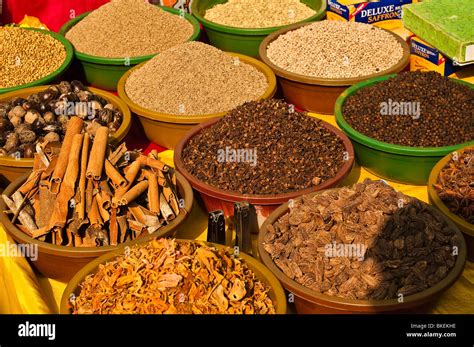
276	292
167	129
11	168
466	228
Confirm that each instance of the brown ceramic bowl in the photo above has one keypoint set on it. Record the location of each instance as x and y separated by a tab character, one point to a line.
319	94
61	262
276	292
310	301
11	168
219	199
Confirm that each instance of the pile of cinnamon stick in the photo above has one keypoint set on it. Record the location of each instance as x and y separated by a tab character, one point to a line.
86	194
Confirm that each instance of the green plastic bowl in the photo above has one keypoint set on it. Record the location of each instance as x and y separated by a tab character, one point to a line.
105	73
403	164
55	74
242	40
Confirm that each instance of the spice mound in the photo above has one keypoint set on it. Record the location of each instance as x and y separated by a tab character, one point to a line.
366	241
86	194
27	56
455	185
264	147
168	276
194	79
258	13
416	109
335	49
43	117
127	29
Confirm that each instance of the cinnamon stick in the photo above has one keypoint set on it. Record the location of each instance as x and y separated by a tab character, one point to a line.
153	193
133	193
97	155
114	175
81	205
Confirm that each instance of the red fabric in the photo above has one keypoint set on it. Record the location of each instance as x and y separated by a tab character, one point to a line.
53	13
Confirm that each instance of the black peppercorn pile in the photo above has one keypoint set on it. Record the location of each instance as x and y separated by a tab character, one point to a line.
294	151
446	111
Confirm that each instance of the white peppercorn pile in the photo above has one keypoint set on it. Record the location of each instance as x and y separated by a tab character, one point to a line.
194	79
27	56
258	13
335	49
128	28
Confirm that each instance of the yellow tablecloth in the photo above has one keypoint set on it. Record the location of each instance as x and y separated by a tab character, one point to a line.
24	291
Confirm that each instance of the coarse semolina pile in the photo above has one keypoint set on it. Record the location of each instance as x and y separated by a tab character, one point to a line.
128	28
27	56
258	13
194	79
335	49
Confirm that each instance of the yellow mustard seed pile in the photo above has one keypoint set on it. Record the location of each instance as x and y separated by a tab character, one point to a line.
27	56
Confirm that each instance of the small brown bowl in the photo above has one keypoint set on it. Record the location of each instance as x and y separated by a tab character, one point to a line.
276	292
310	301
12	168
62	262
219	199
319	95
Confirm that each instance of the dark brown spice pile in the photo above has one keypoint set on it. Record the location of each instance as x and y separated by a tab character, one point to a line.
446	118
408	246
455	185
294	151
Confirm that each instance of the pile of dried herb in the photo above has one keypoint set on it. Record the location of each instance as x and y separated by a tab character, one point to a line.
264	147
366	241
168	276
455	185
84	194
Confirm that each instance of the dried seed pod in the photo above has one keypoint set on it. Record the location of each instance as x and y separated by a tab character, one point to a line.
105	116
38	125
31	116
49	117
28	150
16	121
12	141
5	125
64	87
16	111
27	136
52	137
77	86
22	127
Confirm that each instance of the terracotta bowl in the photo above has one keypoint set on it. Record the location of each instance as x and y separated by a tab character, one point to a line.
215	198
276	292
466	228
62	262
310	301
319	95
11	168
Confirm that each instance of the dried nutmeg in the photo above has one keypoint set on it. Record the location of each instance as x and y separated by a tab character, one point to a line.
31	116
92	127
64	87
3	152
16	153
38	125
28	150
12	141
56	127
4	109
69	97
22	127
61	107
31	105
84	95
34	98
77	86
18	101
49	117
105	116
15	121
16	111
5	125
52	137
27	136
81	110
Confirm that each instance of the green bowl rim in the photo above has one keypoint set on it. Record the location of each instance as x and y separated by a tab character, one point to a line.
385	146
132	60
320	13
48	78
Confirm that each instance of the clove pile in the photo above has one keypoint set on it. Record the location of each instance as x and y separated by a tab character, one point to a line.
86	194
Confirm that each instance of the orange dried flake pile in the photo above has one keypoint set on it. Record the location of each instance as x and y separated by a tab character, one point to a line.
168	276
